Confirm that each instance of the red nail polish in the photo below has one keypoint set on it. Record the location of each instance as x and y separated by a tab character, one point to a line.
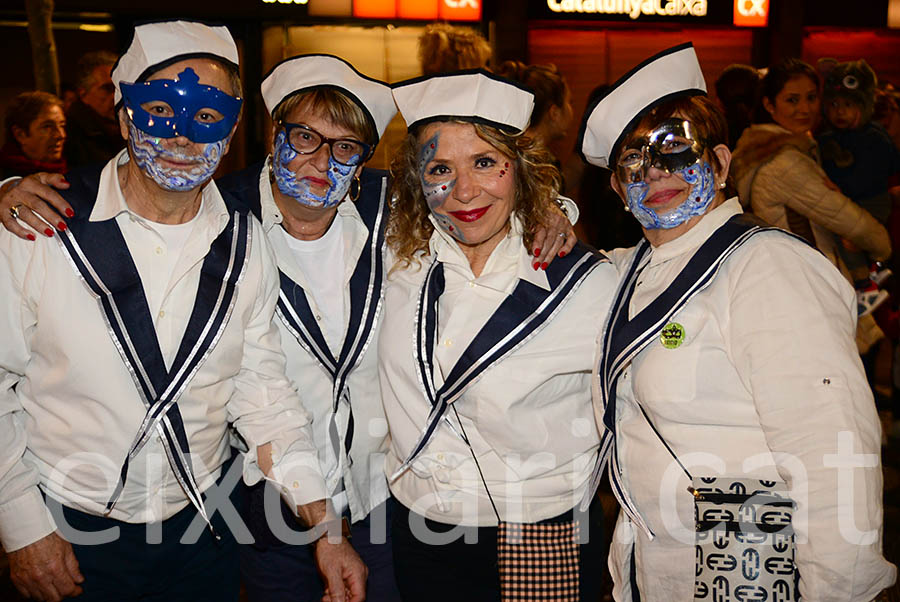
537	252
61	226
48	232
69	212
562	253
544	265
30	236
536	265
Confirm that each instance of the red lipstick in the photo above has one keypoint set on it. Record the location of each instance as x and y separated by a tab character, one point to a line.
661	197
317	181
471	215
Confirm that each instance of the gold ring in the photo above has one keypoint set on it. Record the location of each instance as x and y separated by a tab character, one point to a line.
14	211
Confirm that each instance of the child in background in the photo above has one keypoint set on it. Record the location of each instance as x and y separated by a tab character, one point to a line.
859	156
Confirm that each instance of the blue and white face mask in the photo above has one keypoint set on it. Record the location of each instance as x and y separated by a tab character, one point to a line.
160	109
339	176
675	148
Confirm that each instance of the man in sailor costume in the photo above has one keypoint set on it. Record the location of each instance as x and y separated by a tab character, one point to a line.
324	215
133	341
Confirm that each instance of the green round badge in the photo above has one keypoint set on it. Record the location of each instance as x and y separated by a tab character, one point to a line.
672	336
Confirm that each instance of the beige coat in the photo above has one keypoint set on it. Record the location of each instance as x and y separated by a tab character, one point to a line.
779	179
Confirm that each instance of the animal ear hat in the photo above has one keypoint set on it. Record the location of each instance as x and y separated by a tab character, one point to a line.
854	80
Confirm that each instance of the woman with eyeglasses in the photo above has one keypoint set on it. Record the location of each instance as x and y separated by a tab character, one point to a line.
323	212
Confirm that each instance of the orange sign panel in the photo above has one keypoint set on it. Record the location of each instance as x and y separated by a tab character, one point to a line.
417	9
424	10
751	13
375	9
460	10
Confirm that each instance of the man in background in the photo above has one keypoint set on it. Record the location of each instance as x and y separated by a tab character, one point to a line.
93	132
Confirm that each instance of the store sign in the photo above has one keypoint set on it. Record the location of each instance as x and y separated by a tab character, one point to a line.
751	13
425	10
632	8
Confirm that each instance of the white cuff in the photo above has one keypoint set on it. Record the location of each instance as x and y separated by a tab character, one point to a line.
25	520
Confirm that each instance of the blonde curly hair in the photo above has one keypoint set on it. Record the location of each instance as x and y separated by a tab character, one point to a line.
537	183
443	48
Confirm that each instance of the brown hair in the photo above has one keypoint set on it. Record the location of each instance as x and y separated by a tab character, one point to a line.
25	108
88	63
537	181
336	107
707	119
547	83
443	48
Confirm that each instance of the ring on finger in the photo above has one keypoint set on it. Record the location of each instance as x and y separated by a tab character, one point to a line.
562	234
14	211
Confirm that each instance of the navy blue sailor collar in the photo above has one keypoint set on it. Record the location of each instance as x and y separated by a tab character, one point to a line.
691	240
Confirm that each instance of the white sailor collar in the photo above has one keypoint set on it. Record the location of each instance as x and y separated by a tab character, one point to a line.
696	236
111	201
270	215
511	252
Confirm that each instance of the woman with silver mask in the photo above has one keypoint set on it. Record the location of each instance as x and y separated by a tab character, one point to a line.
728	378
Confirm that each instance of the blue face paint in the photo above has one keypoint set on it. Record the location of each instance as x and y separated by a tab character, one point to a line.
703	190
339	176
147	151
436	188
177	108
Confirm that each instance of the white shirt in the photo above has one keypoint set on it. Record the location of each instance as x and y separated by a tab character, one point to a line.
322	260
363	480
69	408
528	417
767	366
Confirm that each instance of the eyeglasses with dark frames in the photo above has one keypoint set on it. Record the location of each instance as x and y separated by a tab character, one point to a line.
305	141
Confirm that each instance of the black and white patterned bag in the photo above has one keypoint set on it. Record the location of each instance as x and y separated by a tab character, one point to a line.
744	540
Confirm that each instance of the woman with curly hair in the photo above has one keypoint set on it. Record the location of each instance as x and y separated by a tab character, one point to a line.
485	362
444	48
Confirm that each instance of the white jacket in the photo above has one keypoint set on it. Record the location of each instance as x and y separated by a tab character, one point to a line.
766	383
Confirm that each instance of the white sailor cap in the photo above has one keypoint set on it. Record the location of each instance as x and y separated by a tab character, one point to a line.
156	44
473	95
670	74
310	71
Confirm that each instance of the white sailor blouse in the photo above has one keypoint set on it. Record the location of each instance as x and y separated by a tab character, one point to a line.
108	408
338	383
510	353
757	375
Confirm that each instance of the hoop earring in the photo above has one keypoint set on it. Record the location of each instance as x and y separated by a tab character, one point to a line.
354	196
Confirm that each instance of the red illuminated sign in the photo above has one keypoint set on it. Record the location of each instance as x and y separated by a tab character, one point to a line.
424	10
751	13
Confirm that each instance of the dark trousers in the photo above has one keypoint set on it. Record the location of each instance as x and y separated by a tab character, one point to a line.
286	573
128	568
459	571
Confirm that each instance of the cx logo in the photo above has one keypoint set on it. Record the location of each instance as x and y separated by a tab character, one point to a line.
751	13
752	8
